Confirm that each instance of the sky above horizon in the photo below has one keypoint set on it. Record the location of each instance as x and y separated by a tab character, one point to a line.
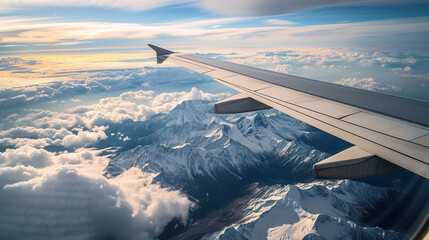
95	26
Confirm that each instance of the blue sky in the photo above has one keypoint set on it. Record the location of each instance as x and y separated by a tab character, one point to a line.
105	26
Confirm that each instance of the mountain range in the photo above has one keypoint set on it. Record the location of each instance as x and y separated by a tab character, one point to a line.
249	175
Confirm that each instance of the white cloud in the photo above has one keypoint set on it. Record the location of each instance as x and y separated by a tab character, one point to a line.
367	83
14	63
168	101
37	143
285	68
139	95
70	198
25	155
277	7
343	33
151	203
133	5
405	69
69	203
33	132
238	7
279	22
99	81
83	139
19	173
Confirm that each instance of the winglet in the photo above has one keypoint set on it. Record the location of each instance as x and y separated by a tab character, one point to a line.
160	51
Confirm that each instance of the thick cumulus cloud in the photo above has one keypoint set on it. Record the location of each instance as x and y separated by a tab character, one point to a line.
41	137
67	203
83	138
45	195
84	126
26	156
64	194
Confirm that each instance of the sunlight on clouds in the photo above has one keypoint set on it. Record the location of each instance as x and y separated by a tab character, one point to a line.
367	83
69	184
128	70
238	7
200	32
46	68
279	22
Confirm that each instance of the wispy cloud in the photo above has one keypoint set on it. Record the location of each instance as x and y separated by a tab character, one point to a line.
276	7
48	31
279	22
333	34
237	7
132	5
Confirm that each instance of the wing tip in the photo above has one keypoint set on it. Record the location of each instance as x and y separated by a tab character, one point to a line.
160	51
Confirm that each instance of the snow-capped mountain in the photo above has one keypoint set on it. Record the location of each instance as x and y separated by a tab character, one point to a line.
318	210
212	158
192	142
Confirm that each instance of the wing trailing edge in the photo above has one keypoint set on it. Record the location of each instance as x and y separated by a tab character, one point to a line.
352	163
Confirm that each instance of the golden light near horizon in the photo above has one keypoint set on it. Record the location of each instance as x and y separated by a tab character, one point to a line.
56	67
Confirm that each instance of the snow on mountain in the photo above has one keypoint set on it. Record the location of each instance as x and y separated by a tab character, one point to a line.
318	210
211	157
192	141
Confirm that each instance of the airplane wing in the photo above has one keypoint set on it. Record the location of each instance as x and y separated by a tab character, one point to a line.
389	132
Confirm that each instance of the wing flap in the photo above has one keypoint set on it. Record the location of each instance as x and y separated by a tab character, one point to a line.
352	163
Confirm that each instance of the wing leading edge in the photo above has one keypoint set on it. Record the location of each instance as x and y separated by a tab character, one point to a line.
388	132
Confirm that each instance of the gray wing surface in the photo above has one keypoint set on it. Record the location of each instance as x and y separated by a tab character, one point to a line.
389	132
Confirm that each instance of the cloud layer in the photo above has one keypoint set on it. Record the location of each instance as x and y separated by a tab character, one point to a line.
63	193
96	82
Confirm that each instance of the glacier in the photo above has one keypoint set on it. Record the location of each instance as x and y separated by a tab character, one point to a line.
249	175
